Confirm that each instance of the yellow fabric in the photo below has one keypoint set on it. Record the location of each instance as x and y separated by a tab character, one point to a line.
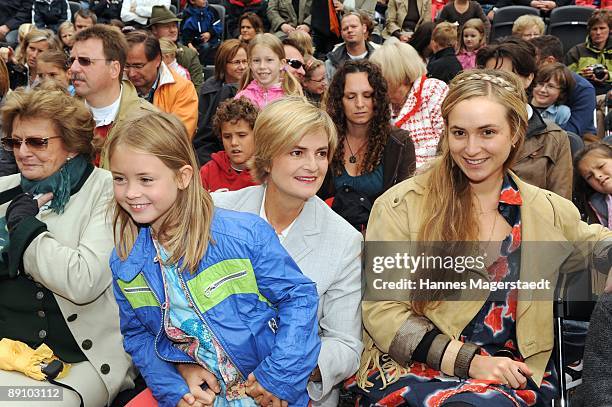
545	217
19	357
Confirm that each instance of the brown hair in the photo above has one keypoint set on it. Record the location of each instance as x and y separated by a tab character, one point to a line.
445	35
599	16
5	82
87	14
559	73
474	24
232	110
114	45
56	58
72	120
151	43
379	128
225	53
254	19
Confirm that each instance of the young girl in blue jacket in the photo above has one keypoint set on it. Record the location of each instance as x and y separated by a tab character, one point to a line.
200	289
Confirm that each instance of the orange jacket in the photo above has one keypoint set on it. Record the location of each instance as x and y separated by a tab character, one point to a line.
177	95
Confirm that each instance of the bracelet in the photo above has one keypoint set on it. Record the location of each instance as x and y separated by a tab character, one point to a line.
464	359
448	360
436	351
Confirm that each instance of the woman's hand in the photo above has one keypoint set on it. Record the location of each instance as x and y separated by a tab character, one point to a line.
500	369
23	206
195	376
262	396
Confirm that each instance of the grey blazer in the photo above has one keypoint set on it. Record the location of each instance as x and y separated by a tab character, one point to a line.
328	251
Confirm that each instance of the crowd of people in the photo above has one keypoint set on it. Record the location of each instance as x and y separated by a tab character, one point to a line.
188	202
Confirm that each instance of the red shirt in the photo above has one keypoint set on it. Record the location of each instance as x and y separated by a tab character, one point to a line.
218	175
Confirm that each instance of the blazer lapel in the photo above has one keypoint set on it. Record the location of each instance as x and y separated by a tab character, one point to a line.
303	234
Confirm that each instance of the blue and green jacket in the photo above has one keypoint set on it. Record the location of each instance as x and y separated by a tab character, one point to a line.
249	292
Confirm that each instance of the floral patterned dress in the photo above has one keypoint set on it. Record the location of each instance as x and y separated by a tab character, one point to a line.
493	328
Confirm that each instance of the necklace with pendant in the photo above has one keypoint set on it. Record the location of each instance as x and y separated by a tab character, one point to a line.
353	157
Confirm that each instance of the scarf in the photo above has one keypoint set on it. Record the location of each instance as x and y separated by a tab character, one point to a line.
60	183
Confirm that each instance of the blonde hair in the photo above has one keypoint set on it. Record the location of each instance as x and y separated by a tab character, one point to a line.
23	30
525	21
281	125
290	85
303	40
71	119
312	64
449	215
35	35
164	136
64	26
474	24
445	34
399	62
167	47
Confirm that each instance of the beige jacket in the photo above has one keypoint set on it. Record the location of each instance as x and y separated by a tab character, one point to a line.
545	217
71	259
397	11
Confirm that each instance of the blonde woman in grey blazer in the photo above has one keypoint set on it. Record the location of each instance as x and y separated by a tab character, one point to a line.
293	142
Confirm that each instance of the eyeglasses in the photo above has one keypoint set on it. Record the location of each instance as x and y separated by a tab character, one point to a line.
85	61
295	64
35	143
239	62
546	86
135	66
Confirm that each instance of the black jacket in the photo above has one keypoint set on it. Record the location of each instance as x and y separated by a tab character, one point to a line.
340	55
444	65
13	13
106	10
50	14
399	163
212	94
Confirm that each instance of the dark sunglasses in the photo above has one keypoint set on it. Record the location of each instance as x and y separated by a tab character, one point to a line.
35	143
84	61
295	64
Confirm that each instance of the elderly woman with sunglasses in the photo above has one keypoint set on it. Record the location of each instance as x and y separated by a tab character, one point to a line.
55	293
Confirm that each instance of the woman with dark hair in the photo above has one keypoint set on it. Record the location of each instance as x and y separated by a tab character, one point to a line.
593	58
249	24
230	63
371	155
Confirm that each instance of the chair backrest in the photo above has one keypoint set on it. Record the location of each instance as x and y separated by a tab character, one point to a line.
74	7
209	71
221	11
504	19
569	24
173	9
576	143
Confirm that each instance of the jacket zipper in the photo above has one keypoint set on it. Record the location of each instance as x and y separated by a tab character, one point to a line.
197	310
216	284
161	327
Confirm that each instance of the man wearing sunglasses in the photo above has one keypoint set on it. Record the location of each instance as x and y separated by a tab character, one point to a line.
97	61
295	59
157	83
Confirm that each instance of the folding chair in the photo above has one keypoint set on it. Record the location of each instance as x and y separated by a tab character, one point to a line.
74	7
221	11
504	19
569	24
573	301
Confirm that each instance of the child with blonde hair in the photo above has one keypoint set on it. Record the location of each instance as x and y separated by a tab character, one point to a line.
168	51
266	79
207	297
